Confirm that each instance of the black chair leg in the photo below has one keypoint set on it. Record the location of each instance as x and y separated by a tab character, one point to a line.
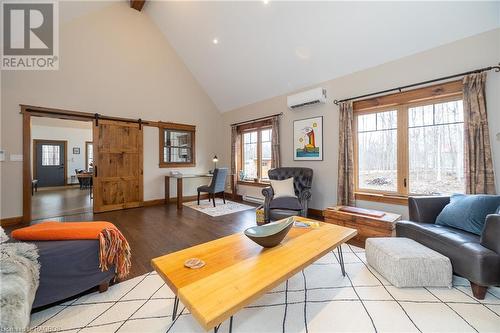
198	198
213	198
224	198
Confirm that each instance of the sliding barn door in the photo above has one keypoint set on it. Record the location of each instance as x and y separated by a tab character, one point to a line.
118	178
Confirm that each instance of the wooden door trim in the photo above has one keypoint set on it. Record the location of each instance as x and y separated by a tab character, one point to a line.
39	111
26	168
28	111
35	153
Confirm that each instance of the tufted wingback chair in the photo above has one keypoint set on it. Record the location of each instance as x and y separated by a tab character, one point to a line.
302	182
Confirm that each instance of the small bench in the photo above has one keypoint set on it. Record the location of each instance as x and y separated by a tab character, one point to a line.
406	263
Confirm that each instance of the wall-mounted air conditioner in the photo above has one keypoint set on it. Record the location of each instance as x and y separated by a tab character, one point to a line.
310	97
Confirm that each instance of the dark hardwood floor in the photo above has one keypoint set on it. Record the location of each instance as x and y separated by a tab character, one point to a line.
60	202
157	230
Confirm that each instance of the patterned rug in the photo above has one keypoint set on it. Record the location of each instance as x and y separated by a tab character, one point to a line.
220	208
317	299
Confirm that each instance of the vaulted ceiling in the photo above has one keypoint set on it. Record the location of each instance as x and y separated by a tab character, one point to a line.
270	48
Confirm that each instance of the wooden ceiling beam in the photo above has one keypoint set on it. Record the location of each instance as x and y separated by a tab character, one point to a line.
137	4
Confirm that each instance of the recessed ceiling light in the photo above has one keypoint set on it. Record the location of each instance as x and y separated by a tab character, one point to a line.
265	2
215	41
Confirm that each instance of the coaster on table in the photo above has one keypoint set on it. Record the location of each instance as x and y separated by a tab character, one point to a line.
194	263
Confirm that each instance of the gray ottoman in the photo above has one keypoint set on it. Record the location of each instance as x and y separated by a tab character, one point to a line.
406	263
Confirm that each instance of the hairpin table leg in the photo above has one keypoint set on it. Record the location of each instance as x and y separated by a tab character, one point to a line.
176	305
216	328
341	259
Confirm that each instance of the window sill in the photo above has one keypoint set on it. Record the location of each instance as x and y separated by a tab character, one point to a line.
384	198
253	183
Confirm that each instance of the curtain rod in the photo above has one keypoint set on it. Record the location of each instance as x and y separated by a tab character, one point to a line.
485	69
257	119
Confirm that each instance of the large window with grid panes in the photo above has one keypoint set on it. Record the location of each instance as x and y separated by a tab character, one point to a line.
255	154
412	148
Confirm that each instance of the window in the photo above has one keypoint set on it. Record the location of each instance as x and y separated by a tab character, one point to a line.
413	148
256	153
50	155
436	148
377	151
89	155
177	145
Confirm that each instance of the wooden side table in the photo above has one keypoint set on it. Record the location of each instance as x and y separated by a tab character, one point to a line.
367	226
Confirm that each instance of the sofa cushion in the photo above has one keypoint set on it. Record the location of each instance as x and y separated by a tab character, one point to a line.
468	257
283	188
468	212
285	203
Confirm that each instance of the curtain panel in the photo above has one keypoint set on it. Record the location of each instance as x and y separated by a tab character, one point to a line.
479	172
235	144
345	190
275	143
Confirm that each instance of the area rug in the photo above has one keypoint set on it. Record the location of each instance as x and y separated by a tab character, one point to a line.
317	299
220	208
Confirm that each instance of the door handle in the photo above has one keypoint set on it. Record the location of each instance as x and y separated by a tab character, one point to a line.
95	170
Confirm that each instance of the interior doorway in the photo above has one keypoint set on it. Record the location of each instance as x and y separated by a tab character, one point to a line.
50	162
115	149
62	172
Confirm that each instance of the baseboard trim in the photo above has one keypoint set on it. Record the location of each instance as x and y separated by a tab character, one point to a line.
154	202
158	202
10	221
312	212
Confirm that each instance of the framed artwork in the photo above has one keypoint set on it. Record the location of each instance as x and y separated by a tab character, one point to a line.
308	139
76	150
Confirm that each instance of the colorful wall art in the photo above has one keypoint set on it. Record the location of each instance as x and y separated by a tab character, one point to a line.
308	139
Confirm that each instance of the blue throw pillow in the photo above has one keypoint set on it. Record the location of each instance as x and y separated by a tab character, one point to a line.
468	212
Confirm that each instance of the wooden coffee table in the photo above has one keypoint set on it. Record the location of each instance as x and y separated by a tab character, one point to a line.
238	271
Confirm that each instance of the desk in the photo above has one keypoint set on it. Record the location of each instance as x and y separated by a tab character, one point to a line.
179	186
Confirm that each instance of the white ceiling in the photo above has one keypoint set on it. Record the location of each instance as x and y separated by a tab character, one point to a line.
273	49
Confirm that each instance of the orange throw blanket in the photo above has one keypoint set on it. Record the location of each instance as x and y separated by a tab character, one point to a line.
114	248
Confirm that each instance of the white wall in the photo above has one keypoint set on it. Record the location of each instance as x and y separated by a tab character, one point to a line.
471	53
116	62
74	132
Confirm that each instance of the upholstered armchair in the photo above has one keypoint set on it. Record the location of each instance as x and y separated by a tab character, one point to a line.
288	206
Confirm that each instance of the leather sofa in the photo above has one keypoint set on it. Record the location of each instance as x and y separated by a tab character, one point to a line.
476	258
288	206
